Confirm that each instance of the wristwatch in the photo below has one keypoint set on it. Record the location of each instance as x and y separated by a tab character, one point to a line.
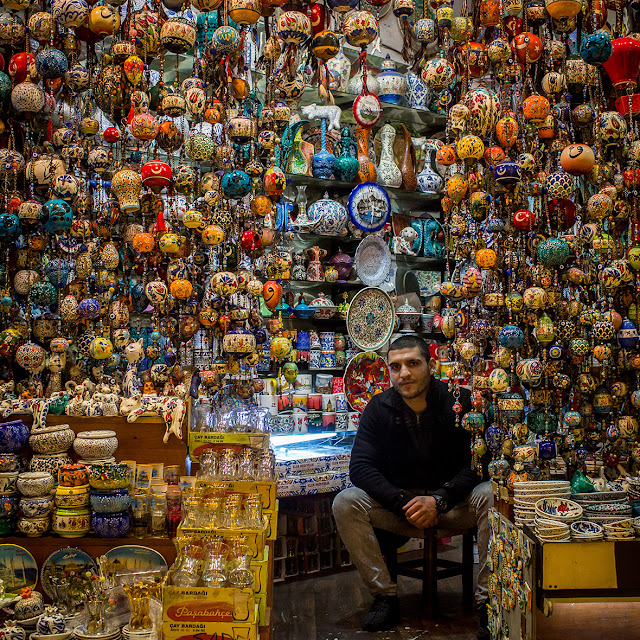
441	503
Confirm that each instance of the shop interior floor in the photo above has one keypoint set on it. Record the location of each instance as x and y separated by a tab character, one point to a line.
332	608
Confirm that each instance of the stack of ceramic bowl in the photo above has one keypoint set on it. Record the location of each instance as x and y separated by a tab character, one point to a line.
13	436
636	526
585	531
526	494
604	507
28	610
110	498
50	446
559	509
36	502
135	634
549	530
82	633
95	446
71	517
620	530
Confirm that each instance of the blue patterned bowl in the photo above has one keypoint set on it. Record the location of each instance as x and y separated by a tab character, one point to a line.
13	436
110	501
36	507
110	525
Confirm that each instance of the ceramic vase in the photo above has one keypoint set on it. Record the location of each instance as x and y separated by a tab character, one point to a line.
323	160
366	168
315	272
388	173
391	81
408	161
346	164
429	181
355	84
339	68
417	94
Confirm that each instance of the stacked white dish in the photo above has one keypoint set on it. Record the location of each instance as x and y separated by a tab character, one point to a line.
135	634
604	507
81	633
585	531
549	530
620	530
526	494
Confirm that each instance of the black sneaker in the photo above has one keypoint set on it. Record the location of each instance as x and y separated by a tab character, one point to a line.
483	622
383	615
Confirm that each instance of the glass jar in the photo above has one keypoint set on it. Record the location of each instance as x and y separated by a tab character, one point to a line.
140	513
233	514
158	514
228	469
253	513
189	566
247	464
215	572
174	510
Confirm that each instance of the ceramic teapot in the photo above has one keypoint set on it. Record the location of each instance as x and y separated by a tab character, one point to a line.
330	217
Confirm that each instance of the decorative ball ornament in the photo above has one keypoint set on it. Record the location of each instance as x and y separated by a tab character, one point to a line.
577	159
293	27
272	294
360	28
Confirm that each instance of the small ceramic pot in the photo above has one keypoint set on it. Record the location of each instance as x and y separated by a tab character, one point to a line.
8	482
110	501
13	436
72	497
109	476
13	632
110	525
50	624
9	462
9	505
56	439
73	475
34	527
71	523
29	607
95	445
50	463
36	507
35	483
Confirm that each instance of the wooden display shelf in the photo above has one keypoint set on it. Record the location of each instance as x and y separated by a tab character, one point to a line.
140	440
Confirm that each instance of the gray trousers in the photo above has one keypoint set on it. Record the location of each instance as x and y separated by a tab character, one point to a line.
357	514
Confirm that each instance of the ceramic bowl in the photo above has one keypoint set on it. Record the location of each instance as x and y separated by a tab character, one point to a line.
8	482
585	528
9	504
51	636
9	462
73	475
36	507
110	501
35	483
55	439
88	463
94	445
49	462
34	527
600	496
13	436
110	525
559	509
72	497
619	525
7	526
108	476
71	523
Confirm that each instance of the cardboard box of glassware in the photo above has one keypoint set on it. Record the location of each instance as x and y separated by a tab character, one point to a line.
255	539
189	613
266	490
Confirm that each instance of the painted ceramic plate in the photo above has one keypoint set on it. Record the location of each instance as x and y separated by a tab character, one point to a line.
133	558
18	568
367	109
70	563
372	261
370	319
366	375
369	206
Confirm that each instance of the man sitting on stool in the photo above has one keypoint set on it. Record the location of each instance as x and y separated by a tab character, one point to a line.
410	465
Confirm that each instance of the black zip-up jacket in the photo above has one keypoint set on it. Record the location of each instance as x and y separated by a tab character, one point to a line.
397	455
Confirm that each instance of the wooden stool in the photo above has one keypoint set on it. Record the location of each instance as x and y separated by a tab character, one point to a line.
430	568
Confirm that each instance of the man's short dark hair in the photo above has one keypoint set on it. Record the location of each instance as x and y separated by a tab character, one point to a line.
411	342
